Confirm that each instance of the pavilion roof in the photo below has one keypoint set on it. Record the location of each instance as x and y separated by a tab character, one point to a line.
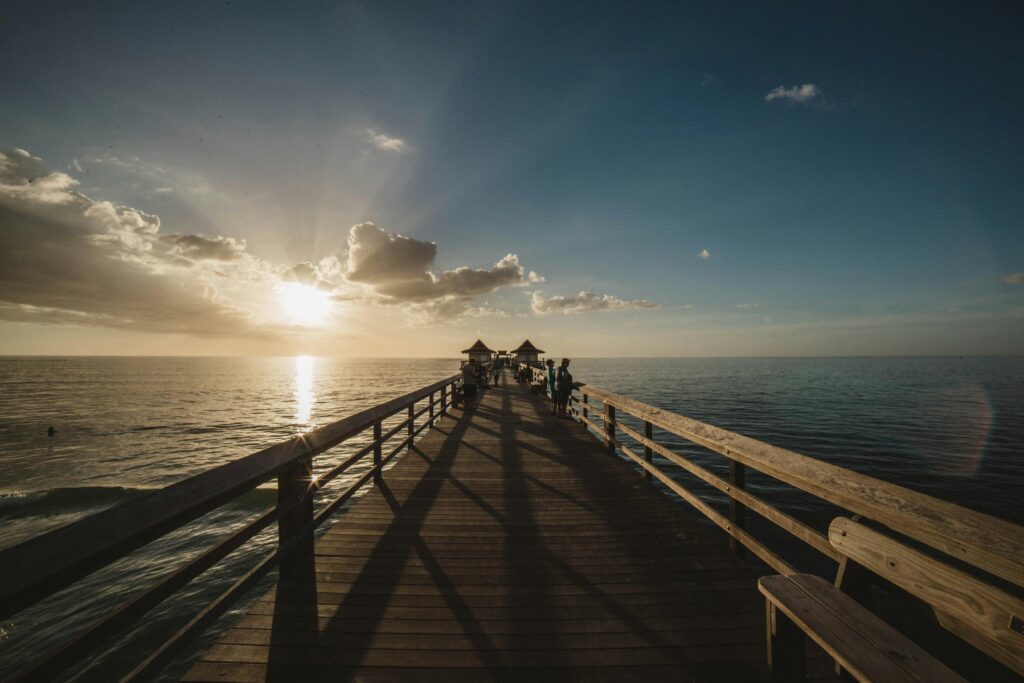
479	347
527	346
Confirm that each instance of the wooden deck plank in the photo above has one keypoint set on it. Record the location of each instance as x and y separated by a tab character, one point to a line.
506	544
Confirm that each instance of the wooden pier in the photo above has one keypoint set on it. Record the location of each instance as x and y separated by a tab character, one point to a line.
496	542
507	544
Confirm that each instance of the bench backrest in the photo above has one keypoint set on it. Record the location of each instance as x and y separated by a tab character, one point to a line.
988	618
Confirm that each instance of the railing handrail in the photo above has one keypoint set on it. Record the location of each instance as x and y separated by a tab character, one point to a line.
40	566
989	543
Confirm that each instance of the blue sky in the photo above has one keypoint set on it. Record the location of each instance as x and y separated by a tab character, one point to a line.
877	210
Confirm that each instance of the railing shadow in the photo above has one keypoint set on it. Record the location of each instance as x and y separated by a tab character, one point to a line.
296	620
395	546
575	448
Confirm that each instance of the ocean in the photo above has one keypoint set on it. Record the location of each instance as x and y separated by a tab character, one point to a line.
949	427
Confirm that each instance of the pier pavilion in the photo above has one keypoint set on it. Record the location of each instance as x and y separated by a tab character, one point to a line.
479	352
527	353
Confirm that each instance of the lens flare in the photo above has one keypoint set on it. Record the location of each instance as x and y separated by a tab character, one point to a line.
966	415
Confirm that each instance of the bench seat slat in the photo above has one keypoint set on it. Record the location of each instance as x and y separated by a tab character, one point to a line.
860	642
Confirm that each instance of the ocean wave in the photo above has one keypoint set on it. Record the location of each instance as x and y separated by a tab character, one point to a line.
60	501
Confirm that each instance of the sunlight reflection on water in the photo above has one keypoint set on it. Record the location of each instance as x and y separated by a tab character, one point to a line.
304	397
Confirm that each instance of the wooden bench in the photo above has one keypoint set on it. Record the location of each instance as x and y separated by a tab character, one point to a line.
866	648
538	388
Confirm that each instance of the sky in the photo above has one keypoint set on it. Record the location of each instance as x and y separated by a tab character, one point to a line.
605	179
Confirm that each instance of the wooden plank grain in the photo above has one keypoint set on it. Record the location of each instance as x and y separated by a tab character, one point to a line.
864	645
973	609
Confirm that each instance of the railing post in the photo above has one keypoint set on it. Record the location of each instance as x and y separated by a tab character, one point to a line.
378	449
737	510
444	400
648	454
411	426
609	427
586	401
295	490
431	399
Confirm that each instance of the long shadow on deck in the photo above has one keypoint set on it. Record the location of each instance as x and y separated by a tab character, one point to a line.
393	549
535	565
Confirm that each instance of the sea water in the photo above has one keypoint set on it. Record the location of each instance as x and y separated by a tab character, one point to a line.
949	427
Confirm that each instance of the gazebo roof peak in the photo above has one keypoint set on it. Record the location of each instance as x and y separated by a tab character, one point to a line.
478	347
527	346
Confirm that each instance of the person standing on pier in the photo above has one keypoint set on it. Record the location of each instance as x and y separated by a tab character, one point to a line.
469	375
552	391
496	367
564	385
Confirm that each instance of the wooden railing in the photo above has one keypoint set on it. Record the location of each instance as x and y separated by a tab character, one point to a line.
991	544
42	566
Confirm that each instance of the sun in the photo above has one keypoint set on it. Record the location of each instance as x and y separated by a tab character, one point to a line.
304	305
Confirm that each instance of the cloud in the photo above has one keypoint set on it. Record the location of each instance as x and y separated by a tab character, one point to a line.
447	310
796	94
306	273
205	248
386	142
65	257
133	172
399	270
747	305
582	302
711	81
705	254
1013	279
379	257
68	258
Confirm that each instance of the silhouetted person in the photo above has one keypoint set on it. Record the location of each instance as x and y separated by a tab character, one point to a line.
469	377
564	386
51	431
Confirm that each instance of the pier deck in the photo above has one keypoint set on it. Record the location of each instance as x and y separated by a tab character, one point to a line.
507	545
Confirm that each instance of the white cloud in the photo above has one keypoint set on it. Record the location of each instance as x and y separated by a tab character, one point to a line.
205	248
399	270
797	93
67	258
583	302
705	254
386	142
747	305
711	81
306	273
1013	279
159	178
448	309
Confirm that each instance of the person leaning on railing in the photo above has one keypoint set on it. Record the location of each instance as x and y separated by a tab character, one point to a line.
549	373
